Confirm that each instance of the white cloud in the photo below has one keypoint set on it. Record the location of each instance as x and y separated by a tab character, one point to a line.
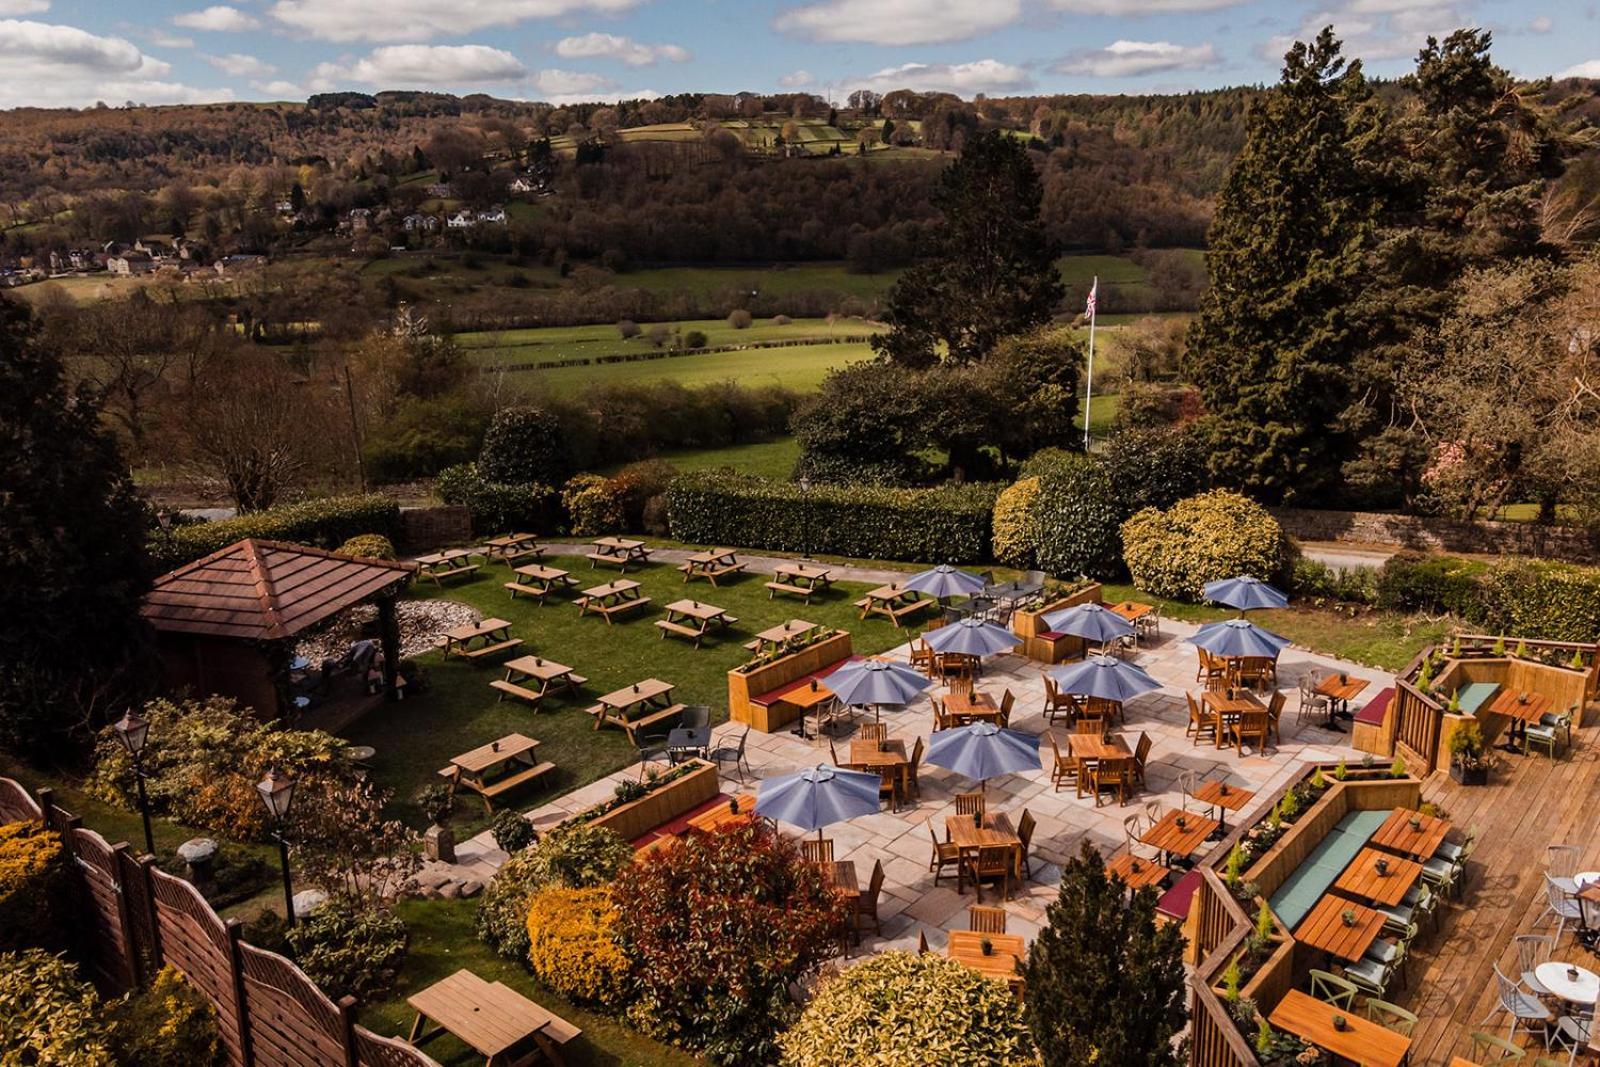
1591	69
964	79
280	89
1123	59
898	22
795	79
1376	30
241	66
403	66
48	65
23	7
163	39
572	84
625	49
420	20
1541	24
219	18
1134	8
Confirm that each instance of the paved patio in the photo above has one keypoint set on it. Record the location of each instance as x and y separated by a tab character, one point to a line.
911	905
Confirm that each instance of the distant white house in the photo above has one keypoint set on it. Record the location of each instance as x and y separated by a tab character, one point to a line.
440	190
420	223
360	219
525	185
130	263
462	219
495	216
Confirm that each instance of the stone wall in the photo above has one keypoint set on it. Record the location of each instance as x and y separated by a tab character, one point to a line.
427	528
1441	535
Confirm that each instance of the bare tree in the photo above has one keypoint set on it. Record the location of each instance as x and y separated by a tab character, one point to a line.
256	428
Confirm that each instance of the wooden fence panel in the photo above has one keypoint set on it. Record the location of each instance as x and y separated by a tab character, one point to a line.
375	1051
103	925
196	942
292	1023
16	805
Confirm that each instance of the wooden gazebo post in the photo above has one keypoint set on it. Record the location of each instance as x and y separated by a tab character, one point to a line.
389	638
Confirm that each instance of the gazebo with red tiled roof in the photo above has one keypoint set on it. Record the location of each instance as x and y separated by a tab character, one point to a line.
225	622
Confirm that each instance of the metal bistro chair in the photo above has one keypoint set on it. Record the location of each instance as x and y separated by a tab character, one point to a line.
1548	733
1523	1007
1532	950
1391	1016
732	754
1561	864
1489	1049
1331	989
1313	705
1564	906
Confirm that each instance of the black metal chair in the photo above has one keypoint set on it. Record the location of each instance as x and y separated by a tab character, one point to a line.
732	754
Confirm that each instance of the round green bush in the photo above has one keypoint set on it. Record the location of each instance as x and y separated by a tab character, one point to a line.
496	506
1219	534
368	546
48	1014
595	505
1156	468
899	1008
350	946
577	856
524	445
1079	516
1015	527
512	832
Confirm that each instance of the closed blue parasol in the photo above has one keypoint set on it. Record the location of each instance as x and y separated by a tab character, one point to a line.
944	581
1238	637
983	750
872	681
972	637
1105	677
1245	593
818	796
1092	622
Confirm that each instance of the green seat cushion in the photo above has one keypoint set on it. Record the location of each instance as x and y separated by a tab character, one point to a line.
1362	824
1475	695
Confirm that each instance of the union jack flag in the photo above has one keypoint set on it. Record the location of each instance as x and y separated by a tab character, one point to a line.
1093	289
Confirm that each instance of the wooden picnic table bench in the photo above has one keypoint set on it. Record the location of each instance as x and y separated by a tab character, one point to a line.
693	619
471	768
636	707
618	552
775	637
894	601
494	633
450	563
513	546
799	579
612	598
539	581
491	1018
547	673
711	565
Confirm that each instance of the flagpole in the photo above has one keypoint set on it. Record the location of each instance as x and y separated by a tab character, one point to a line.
1088	400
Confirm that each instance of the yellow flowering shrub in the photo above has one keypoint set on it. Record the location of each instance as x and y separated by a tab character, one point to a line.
32	886
573	946
170	1024
1219	534
1015	541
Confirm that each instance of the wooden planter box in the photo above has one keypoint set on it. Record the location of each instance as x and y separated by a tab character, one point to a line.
777	674
1475	776
1028	625
638	817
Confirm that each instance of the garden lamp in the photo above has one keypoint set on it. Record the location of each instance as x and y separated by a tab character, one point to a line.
133	731
277	793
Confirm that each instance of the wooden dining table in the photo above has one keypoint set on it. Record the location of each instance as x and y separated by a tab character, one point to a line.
1136	872
1223	796
1360	1040
1377	876
1179	833
995	830
840	876
1340	689
1324	927
1397	834
1006	952
971	706
1521	707
1227	709
878	756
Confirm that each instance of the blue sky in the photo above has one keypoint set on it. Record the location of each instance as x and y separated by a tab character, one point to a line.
76	52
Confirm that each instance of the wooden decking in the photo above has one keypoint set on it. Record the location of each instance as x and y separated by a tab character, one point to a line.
1529	803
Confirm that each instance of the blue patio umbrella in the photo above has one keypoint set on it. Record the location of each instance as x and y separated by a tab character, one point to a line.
1105	677
1092	622
818	796
1238	637
983	750
944	582
1245	593
873	681
972	637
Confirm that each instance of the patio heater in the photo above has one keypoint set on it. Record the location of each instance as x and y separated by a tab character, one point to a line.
277	793
133	731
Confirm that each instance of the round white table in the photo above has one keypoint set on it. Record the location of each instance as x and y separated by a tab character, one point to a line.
1557	977
1585	879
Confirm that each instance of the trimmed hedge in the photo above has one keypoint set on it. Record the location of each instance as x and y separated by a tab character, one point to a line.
325	523
946	523
1540	598
1215	535
498	506
1016	540
1078	519
1413	581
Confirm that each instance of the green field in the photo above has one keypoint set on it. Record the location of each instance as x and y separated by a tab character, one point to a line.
801	367
571	342
780	280
773	459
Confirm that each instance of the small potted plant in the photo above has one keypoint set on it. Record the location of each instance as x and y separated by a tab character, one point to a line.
1348	916
1383	867
438	841
986	947
1340	1023
1469	764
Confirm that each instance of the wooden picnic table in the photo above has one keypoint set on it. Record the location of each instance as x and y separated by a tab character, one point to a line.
894	601
1136	872
618	552
1387	887
472	768
636	706
1420	841
539	581
1361	1041
512	547
1006	952
775	637
693	619
971	706
449	563
1324	927
1179	833
546	672
1224	797
804	580
490	1017
612	598
840	875
712	564
494	633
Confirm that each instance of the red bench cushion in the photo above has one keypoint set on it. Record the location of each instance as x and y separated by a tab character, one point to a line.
1050	635
680	825
1373	714
1175	901
772	696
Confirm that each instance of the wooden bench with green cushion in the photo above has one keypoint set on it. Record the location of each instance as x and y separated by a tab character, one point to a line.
1475	695
1310	881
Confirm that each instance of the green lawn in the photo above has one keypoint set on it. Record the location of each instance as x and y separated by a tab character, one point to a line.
416	737
443	941
773	459
799	367
782	280
571	342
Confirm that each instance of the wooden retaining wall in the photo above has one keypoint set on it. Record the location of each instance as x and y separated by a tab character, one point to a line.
1028	625
742	685
139	919
638	817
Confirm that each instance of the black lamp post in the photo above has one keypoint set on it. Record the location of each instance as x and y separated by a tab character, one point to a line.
277	793
805	516
133	731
